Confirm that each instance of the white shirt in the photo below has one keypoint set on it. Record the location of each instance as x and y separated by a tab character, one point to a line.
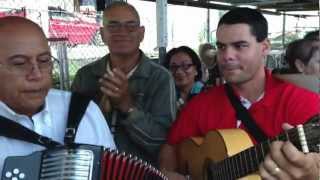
247	104
51	122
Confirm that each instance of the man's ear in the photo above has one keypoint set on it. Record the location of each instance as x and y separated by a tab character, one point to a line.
141	33
266	46
299	65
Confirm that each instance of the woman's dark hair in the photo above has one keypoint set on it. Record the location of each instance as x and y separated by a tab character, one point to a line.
184	49
252	17
301	49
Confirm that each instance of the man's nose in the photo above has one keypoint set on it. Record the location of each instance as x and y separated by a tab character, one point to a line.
35	72
227	54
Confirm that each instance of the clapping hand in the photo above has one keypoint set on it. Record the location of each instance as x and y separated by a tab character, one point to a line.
115	85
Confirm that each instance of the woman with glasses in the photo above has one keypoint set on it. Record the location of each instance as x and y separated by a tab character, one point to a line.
185	66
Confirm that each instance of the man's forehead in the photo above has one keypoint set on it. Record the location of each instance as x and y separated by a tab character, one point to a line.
16	30
24	47
16	36
30	44
120	13
240	28
232	33
234	41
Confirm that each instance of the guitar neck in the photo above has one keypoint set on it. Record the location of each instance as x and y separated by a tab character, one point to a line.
243	163
247	161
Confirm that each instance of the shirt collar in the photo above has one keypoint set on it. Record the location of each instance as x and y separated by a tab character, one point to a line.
7	112
270	83
247	104
42	115
109	71
142	69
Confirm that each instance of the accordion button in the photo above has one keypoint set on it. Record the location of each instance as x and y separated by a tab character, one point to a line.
8	174
14	178
22	175
16	171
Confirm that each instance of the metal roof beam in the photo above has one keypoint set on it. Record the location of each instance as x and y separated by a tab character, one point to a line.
292	7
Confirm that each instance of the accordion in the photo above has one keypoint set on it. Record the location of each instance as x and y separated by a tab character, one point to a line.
78	162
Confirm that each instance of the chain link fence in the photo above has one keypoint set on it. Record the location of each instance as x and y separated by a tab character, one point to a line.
74	37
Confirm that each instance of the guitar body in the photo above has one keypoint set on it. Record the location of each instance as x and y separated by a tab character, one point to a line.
216	145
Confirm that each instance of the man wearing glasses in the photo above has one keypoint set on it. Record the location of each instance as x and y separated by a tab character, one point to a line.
26	97
136	95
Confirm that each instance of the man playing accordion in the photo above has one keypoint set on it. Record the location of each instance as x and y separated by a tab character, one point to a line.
27	100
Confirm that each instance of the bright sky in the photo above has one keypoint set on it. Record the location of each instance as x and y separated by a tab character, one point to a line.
185	24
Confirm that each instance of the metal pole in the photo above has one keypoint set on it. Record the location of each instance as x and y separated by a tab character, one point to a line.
162	34
283	29
208	25
64	67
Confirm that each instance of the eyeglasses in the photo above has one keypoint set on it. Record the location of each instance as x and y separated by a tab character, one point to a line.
114	26
185	67
25	67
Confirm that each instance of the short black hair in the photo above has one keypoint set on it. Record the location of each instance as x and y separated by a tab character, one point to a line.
252	17
185	49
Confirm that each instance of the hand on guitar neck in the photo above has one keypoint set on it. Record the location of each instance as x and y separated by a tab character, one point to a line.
285	161
233	157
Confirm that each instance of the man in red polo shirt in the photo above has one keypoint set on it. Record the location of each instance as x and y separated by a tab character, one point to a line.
272	103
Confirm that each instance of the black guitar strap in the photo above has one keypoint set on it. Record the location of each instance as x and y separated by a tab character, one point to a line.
15	130
78	106
243	115
11	129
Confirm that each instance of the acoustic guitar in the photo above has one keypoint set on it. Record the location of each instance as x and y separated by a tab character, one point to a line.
229	154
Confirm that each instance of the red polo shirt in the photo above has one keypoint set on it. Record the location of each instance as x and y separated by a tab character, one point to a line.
282	102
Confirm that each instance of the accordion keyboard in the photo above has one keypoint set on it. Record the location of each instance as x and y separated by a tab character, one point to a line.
79	162
67	164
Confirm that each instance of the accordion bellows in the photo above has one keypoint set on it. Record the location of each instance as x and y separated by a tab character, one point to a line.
79	162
